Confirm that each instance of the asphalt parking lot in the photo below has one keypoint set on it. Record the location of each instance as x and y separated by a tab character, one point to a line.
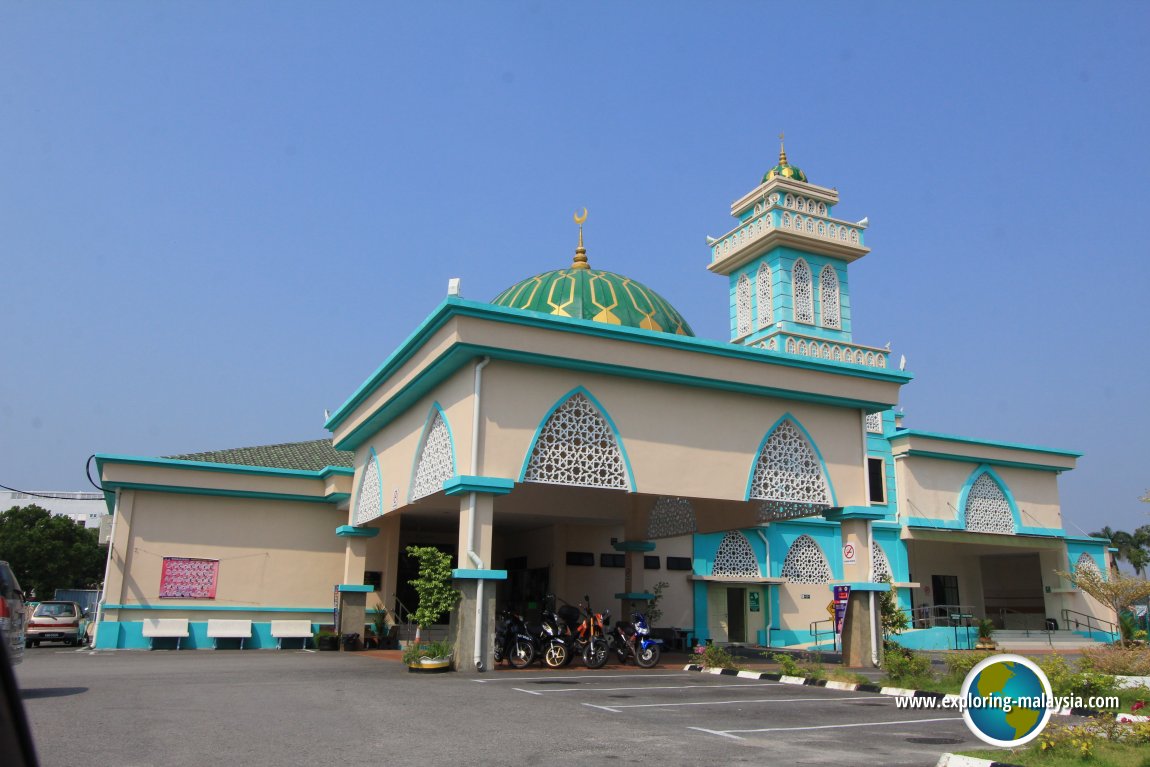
286	708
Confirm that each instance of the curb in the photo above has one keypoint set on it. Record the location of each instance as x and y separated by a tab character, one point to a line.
954	760
898	692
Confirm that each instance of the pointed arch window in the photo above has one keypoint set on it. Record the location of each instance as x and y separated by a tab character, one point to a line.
766	302
987	509
801	285
788	476
735	557
1086	563
369	501
577	446
829	297
742	306
436	459
670	517
805	562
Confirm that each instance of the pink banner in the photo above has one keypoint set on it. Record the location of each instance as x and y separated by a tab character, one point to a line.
184	578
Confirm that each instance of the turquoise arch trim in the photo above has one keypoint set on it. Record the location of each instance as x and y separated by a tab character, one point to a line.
606	416
1095	550
962	496
372	457
807	436
422	444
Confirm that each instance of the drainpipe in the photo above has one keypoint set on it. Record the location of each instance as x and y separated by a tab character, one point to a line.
874	654
107	569
767	563
476	562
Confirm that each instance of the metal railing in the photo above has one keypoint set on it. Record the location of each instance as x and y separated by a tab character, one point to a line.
930	616
1079	620
817	632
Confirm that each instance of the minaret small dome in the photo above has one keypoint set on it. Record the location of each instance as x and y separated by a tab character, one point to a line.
784	168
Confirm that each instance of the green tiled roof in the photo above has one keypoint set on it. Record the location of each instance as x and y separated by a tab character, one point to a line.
301	456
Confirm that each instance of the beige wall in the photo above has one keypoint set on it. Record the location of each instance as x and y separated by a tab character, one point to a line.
271	553
930	487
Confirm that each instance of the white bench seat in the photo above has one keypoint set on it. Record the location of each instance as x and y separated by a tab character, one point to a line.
221	628
300	629
176	628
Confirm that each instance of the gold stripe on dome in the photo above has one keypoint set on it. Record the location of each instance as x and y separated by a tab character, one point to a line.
534	284
605	314
648	322
557	307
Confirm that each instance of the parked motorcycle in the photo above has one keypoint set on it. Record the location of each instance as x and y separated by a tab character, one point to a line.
590	636
634	640
512	642
553	639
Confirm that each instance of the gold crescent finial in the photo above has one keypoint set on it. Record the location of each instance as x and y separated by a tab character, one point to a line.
782	150
580	260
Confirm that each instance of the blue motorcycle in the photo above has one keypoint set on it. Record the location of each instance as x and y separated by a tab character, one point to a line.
634	640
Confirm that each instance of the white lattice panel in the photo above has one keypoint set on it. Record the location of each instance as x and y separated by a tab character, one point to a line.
369	504
743	305
789	470
577	447
1086	563
829	297
874	423
735	557
987	510
801	285
879	564
436	464
671	517
805	562
766	302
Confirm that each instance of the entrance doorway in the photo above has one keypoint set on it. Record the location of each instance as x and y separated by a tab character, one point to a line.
736	615
1012	591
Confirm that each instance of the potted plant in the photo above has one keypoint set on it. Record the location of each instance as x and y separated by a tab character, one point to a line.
326	639
436	595
986	634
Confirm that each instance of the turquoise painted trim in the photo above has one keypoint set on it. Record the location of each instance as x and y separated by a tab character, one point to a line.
980	461
338	497
227	468
479	575
351	531
341	471
1087	539
128	635
933	524
371	460
856	512
634	545
221	492
606	416
355	588
806	435
1095	549
453	306
987	442
462	484
222	608
863	586
939	638
638	596
422	444
974	475
1044	532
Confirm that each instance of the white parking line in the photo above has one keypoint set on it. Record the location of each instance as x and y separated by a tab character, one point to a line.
729	733
650	687
728	702
576	676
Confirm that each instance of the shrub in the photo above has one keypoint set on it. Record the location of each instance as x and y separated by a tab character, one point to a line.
787	664
958	665
426	650
713	656
1065	680
906	667
1128	661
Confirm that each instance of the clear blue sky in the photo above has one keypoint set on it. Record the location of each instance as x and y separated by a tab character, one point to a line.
216	219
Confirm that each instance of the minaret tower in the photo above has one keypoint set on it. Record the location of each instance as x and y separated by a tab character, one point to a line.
787	264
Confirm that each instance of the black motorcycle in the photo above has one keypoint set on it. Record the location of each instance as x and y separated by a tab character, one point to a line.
553	639
512	642
633	640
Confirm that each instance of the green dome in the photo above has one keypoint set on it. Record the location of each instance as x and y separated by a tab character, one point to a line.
784	168
593	294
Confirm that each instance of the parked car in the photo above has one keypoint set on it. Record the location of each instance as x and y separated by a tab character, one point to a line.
54	622
12	613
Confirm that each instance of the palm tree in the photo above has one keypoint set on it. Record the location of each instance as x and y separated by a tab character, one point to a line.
1134	547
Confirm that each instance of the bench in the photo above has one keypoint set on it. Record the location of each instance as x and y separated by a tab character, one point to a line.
169	628
229	629
282	630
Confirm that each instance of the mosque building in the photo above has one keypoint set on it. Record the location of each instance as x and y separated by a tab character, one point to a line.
574	437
